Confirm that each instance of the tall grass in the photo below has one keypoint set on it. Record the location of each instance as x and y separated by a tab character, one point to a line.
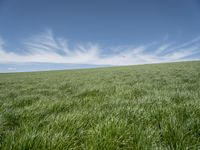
136	107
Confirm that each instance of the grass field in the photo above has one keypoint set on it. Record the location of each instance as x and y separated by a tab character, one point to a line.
135	107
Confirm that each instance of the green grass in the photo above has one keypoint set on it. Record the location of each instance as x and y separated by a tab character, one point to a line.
135	107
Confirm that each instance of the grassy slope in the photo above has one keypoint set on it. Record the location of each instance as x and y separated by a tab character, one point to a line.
136	107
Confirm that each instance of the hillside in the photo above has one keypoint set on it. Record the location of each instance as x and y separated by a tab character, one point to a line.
133	107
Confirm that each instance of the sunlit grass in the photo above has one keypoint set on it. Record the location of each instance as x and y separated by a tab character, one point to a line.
136	107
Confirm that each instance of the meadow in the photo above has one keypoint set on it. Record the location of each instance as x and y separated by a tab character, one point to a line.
153	106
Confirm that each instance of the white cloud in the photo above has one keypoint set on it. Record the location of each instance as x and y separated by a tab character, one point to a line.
162	48
50	49
11	69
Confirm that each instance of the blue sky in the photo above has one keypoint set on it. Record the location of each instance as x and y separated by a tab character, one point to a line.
68	34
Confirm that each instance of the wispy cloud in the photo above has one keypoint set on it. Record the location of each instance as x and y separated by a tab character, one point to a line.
47	48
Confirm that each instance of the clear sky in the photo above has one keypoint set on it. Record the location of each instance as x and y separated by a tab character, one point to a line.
65	34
